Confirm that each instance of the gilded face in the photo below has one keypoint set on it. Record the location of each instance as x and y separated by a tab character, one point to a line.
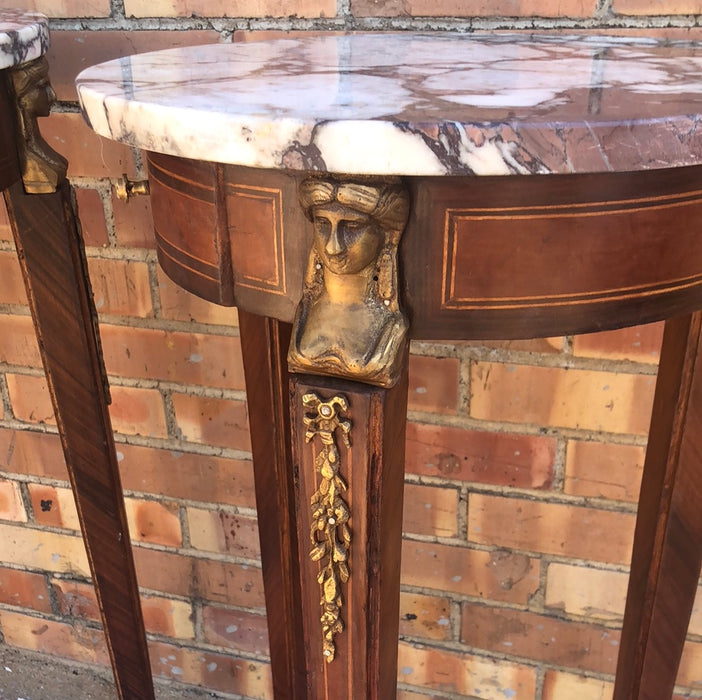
36	93
347	241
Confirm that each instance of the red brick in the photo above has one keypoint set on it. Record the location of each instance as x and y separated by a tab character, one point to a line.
430	511
425	616
121	287
30	398
696	617
134	223
460	674
38	454
189	358
579	590
73	51
78	642
24	589
551	528
37	549
433	384
540	346
136	411
5	230
560	686
235	629
222	8
67	8
211	670
18	343
179	305
164	616
217	581
217	531
496	575
184	475
690	671
11	284
53	506
656	7
639	344
409	695
570	398
168	617
601	470
540	638
11	506
89	155
76	599
474	8
155	522
524	461
210	421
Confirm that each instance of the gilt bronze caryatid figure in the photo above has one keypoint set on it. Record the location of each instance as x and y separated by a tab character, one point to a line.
349	322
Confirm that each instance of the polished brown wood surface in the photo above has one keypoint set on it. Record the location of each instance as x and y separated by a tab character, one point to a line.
665	566
264	344
230	235
50	249
485	258
372	468
535	256
9	168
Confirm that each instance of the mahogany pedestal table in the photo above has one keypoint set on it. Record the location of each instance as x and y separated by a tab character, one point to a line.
41	208
349	193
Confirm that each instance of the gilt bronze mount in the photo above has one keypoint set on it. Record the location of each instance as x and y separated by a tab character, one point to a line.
330	534
42	168
349	322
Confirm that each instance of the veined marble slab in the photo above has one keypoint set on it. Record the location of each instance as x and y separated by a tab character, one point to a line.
409	104
24	36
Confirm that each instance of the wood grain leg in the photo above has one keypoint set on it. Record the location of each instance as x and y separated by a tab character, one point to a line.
264	345
667	551
50	250
366	475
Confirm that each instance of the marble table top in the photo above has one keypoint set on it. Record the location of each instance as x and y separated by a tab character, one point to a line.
24	36
410	104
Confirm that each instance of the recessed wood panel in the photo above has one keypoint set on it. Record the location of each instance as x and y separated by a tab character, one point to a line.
255	233
565	255
192	246
269	238
534	256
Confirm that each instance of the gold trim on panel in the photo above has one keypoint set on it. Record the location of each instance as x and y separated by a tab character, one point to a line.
330	533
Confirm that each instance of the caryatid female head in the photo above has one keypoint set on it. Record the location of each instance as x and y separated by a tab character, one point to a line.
349	321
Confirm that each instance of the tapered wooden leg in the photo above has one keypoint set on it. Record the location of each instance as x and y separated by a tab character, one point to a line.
50	250
667	551
348	445
265	344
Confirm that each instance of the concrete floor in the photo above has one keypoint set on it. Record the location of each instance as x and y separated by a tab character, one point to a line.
27	675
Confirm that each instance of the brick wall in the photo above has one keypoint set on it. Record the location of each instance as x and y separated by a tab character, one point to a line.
524	458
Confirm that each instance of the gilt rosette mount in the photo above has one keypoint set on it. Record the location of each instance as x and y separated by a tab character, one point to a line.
349	322
330	533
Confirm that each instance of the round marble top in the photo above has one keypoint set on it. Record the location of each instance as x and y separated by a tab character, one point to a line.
409	104
24	36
